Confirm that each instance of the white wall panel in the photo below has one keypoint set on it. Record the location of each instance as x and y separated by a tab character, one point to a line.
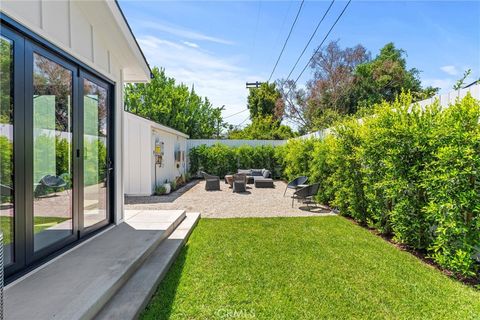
100	52
82	42
28	12
56	20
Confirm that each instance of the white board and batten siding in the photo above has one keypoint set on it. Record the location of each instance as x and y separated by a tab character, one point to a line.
139	143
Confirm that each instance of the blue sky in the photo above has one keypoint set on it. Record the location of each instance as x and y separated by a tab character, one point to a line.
218	46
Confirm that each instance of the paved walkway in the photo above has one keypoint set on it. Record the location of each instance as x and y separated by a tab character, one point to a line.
226	204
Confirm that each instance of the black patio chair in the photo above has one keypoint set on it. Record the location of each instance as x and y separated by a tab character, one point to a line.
211	182
5	191
295	183
54	182
239	182
306	194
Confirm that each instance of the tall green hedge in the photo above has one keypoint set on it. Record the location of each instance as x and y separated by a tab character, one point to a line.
220	159
409	172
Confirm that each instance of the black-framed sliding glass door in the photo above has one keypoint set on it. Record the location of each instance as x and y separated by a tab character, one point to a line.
49	141
96	166
12	196
55	151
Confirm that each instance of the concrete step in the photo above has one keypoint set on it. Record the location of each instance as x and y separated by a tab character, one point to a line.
80	282
133	297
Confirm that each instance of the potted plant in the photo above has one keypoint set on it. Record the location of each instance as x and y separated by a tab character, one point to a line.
167	187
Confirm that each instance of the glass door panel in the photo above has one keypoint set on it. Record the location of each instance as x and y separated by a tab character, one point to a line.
7	212
95	134
52	152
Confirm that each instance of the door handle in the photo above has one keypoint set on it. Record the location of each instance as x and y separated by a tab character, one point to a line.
110	165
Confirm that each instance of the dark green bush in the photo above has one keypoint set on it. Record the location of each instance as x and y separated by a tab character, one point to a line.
220	159
409	172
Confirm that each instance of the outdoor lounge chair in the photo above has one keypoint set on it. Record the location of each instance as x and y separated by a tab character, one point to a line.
295	183
211	182
239	183
5	191
53	182
306	194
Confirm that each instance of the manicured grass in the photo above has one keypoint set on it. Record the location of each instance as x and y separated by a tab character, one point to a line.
303	268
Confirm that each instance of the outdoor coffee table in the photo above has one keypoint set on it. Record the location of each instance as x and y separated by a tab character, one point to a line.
229	179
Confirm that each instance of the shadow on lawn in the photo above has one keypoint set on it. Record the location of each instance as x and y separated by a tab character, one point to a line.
161	305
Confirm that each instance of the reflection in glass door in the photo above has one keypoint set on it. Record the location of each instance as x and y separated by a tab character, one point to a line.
7	213
95	166
52	152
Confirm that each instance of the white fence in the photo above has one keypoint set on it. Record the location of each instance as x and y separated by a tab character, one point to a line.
451	97
192	143
443	99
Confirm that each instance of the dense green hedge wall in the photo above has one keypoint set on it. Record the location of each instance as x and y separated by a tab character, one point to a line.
410	173
220	159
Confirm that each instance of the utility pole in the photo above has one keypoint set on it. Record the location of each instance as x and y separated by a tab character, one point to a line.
218	122
251	85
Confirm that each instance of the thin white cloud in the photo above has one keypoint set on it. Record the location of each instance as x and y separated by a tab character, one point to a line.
221	79
451	70
191	44
182	32
445	84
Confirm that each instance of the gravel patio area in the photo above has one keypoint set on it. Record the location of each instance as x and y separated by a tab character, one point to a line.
255	202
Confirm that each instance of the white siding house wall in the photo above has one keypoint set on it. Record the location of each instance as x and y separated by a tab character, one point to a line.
140	135
95	33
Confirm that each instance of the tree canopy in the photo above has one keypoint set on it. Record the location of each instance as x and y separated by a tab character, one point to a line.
266	112
348	80
174	105
265	100
263	128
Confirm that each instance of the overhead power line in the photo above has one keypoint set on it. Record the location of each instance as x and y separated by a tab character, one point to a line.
235	113
311	38
238	125
286	40
316	51
321	44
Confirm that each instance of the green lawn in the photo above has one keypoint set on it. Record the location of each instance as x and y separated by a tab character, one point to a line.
303	268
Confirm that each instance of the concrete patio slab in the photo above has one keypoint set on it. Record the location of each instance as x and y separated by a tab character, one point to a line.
79	283
132	298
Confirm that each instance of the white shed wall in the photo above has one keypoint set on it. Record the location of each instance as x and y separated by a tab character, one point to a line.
139	144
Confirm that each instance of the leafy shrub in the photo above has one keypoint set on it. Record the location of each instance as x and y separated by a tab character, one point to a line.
296	158
220	159
452	185
159	190
409	172
173	184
